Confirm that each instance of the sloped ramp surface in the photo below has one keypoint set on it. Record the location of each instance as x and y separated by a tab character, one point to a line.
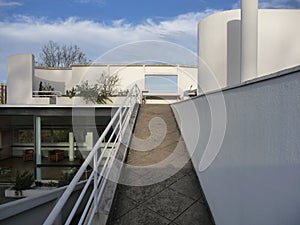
175	200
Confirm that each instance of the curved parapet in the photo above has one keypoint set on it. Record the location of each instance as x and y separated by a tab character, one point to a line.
219	45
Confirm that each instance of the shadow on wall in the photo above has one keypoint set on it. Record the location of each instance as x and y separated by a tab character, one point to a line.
233	52
58	86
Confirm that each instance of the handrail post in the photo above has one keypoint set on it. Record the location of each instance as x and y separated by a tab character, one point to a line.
95	180
120	122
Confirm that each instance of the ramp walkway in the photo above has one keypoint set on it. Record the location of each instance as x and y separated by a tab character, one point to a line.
176	200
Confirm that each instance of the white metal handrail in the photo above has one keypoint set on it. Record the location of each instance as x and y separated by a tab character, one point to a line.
120	120
46	93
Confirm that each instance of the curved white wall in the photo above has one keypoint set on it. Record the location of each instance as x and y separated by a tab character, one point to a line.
63	79
219	43
131	74
212	46
57	78
279	40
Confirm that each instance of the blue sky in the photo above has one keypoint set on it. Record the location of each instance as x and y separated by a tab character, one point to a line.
97	26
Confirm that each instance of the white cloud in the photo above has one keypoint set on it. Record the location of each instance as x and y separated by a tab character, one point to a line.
236	5
90	1
27	35
4	3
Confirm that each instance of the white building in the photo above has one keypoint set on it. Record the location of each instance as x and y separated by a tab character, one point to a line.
23	79
53	113
272	41
242	134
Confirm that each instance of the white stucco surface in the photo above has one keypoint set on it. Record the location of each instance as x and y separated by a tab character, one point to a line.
219	44
24	79
19	71
63	79
249	30
254	178
57	78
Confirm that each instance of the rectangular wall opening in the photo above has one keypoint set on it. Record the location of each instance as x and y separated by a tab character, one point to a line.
156	83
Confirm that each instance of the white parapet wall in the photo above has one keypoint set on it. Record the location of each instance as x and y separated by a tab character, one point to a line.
21	67
19	79
253	178
219	46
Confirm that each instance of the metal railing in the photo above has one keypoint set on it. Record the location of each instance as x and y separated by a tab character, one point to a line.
101	157
46	93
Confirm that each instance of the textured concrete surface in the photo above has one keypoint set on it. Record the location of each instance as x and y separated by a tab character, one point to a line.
176	200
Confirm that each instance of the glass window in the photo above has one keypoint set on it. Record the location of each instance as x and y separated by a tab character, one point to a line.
23	136
161	83
47	135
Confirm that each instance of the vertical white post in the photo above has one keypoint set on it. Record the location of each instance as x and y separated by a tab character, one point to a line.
120	123
89	140
95	181
71	146
38	147
249	35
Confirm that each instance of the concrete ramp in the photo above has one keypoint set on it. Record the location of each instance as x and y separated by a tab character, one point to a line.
146	193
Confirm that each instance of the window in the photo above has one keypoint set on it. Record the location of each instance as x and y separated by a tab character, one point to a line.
23	136
156	83
47	135
55	135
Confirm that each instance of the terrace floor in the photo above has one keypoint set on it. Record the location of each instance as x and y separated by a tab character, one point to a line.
177	200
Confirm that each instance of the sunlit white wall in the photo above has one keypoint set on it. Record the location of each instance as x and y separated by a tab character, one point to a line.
62	79
219	44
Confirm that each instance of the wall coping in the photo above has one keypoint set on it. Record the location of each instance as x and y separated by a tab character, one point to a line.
281	73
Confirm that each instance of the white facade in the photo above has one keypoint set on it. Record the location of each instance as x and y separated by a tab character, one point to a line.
66	78
220	44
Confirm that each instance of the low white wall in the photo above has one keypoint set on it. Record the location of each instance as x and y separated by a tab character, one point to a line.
135	74
219	44
80	101
23	78
65	78
35	209
40	101
254	178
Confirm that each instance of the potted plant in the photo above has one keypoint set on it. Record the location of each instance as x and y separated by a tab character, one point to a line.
23	181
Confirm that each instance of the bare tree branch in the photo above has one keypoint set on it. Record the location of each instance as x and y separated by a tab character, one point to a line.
54	55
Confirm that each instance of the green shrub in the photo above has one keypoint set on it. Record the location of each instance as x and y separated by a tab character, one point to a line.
23	181
66	177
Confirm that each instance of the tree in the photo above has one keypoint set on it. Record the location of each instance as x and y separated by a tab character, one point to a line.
99	92
54	55
108	83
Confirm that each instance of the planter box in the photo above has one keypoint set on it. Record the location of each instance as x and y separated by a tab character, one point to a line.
11	193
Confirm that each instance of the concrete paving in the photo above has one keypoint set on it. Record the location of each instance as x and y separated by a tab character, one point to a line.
176	200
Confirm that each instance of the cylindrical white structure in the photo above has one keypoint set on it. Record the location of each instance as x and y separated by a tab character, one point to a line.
249	34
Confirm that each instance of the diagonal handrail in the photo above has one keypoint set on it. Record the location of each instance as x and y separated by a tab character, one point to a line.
122	117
